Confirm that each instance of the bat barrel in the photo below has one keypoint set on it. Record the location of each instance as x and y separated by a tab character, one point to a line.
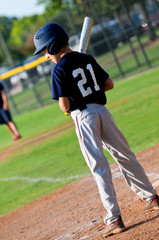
85	34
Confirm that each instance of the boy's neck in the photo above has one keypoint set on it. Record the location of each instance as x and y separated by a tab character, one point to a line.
65	51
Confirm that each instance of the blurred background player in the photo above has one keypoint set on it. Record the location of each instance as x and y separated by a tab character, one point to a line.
5	115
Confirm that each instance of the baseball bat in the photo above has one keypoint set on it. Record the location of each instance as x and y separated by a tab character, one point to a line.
85	34
84	39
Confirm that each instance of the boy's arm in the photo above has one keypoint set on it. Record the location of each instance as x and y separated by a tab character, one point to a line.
64	104
4	98
108	85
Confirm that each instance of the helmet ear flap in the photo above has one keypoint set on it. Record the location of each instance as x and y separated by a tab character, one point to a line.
54	48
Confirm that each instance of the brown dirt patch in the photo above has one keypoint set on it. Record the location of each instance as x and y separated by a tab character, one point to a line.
75	211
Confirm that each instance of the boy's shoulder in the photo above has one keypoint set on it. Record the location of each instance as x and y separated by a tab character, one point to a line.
74	57
69	60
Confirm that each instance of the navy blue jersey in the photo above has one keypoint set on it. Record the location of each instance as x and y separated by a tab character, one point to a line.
1	100
80	78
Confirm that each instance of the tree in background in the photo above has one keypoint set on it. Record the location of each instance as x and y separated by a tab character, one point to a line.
21	37
53	7
123	7
105	9
18	37
5	29
18	33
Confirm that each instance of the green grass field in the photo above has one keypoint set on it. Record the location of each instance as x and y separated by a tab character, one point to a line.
39	168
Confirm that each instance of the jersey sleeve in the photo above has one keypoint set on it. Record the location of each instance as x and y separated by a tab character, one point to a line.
59	83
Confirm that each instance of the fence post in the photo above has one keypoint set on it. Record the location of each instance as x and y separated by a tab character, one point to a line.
136	33
129	41
92	5
36	95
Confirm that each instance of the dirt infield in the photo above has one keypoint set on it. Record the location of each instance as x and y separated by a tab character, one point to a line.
75	211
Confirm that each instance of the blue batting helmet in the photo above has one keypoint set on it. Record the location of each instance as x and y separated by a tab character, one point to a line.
52	36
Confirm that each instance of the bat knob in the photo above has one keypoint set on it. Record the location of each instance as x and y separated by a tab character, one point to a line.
67	114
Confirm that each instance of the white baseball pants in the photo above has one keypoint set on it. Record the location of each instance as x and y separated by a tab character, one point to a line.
96	129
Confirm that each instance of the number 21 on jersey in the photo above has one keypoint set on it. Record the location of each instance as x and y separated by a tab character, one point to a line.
88	90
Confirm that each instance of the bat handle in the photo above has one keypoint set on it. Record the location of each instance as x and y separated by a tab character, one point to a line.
67	114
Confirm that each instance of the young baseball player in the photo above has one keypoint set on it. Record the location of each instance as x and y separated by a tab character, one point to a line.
79	83
5	115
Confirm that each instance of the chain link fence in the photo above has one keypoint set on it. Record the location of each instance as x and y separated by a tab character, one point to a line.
122	45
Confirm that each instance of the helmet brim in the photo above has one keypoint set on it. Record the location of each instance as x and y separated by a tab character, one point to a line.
37	51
